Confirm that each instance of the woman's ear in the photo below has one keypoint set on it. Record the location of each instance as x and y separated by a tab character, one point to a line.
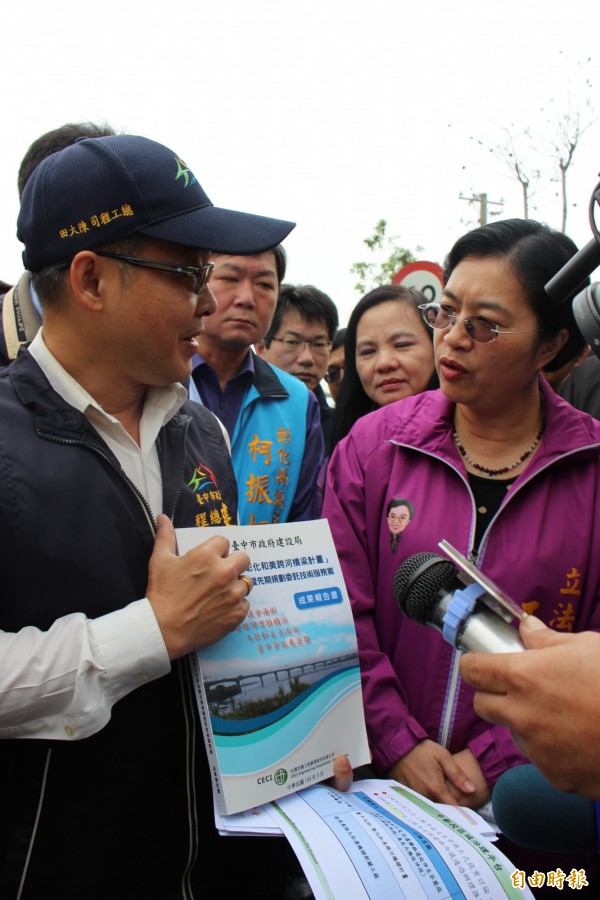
549	348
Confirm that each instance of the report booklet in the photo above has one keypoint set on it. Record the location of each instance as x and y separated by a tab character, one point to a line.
380	840
280	696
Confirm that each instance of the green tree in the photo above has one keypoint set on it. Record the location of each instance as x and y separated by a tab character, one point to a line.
380	271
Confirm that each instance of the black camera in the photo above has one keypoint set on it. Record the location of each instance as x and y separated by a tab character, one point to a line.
586	304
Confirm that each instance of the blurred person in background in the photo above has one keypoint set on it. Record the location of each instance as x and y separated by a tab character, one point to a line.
299	340
21	309
582	386
388	355
335	368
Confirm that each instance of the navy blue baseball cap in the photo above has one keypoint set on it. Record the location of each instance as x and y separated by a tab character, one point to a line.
104	189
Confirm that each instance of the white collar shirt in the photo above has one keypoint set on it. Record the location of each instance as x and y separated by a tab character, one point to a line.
140	463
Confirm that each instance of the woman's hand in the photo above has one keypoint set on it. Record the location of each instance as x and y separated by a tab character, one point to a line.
342	773
469	764
432	771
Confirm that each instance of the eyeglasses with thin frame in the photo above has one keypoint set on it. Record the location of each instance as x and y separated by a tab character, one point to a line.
200	274
334	374
478	328
403	517
295	346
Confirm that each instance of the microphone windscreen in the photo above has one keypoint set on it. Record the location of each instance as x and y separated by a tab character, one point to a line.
418	580
534	814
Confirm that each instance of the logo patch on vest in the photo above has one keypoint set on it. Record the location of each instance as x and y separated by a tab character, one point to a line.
213	510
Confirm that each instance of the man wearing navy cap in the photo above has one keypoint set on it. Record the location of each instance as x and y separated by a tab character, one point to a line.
105	791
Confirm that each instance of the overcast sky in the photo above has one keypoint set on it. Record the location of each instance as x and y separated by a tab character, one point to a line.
332	114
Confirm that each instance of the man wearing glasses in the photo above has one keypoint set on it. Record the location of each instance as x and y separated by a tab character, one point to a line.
105	787
271	418
300	338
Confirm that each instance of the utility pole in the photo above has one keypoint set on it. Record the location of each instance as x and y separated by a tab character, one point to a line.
483	201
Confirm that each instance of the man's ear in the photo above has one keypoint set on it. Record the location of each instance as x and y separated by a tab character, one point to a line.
260	349
86	278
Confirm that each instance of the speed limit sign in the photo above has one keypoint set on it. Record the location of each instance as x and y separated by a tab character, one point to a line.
427	277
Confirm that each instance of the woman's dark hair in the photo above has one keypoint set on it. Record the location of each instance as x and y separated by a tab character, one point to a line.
535	253
400	501
352	401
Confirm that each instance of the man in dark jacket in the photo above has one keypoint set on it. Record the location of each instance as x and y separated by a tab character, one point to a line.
105	790
582	387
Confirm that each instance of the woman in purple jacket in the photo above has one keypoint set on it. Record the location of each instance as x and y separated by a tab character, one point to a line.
495	463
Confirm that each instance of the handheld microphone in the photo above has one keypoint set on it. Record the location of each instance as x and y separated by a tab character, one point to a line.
428	589
528	810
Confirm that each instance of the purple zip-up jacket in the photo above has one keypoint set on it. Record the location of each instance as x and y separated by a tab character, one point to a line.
542	548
